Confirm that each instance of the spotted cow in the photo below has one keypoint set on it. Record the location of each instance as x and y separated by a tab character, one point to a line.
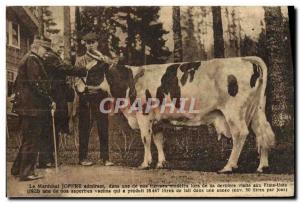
229	93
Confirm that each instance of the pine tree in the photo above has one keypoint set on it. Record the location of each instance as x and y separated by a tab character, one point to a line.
125	20
146	36
178	54
248	47
233	32
277	103
101	20
262	44
189	41
144	40
46	20
288	70
79	47
40	20
151	32
201	30
218	32
67	33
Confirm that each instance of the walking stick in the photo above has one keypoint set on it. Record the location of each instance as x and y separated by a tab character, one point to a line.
54	140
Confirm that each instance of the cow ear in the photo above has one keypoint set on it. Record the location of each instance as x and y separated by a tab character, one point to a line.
132	94
138	75
131	85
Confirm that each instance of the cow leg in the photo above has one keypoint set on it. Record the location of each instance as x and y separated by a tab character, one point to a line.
239	131
159	141
264	162
146	134
264	136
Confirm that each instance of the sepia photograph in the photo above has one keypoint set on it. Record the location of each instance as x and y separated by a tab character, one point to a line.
150	101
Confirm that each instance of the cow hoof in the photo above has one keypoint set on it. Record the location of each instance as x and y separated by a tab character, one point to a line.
144	167
225	171
161	165
263	170
228	170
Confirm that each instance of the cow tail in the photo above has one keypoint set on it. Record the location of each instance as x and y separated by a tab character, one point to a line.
265	137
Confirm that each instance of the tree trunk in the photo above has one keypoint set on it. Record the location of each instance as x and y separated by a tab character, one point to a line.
232	49
67	33
130	39
218	32
80	49
41	21
143	44
277	89
178	55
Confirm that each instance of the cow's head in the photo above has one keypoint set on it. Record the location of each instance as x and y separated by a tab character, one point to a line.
120	82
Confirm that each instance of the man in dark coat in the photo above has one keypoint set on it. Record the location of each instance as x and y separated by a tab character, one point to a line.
39	85
89	100
62	93
32	103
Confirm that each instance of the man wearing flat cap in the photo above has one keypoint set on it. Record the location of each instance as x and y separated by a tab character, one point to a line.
89	99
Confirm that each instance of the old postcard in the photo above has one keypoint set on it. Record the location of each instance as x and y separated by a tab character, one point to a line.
149	102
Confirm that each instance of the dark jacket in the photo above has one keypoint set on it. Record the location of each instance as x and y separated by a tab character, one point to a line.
57	71
40	81
32	87
95	75
61	92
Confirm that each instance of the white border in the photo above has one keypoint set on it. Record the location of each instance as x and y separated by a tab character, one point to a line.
3	4
153	2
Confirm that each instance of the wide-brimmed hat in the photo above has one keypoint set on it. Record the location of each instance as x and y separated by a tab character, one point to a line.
90	36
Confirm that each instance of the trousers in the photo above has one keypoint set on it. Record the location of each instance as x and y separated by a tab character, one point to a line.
33	128
88	113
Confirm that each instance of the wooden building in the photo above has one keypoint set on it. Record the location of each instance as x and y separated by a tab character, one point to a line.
21	26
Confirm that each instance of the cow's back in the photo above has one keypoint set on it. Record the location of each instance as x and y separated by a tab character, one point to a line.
211	83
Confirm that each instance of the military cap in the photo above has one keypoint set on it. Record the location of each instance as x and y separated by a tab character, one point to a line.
45	42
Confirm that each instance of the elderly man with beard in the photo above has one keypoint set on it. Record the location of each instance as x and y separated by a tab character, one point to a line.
40	82
33	102
61	93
